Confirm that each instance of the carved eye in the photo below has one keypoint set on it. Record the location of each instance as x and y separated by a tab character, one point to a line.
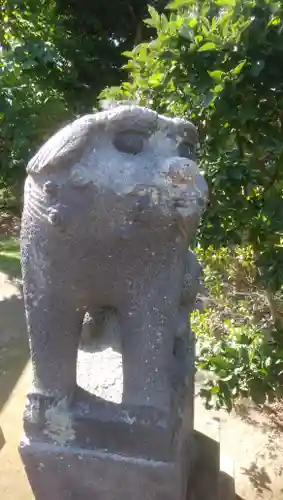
186	150
129	142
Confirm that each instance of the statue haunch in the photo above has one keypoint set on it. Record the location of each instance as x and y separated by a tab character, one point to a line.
111	202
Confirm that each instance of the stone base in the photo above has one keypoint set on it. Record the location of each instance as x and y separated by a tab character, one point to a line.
96	448
66	473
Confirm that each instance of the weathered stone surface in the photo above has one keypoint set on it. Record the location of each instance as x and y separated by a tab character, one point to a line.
152	448
111	204
71	474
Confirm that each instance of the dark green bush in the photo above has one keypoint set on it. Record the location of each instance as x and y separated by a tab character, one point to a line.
216	63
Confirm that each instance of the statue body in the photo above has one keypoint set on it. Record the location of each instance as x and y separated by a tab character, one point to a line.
111	203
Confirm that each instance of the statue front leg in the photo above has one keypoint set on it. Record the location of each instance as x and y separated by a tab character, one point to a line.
147	326
54	325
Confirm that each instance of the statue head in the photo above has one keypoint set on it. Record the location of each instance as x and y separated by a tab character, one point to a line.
128	149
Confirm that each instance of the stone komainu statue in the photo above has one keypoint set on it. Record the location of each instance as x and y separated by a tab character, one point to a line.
111	202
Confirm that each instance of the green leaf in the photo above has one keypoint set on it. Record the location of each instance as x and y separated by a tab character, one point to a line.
177	4
224	22
224	3
154	15
218	88
217	75
186	32
257	68
128	53
207	46
198	39
274	21
220	362
214	23
193	22
154	19
156	79
236	71
215	389
163	22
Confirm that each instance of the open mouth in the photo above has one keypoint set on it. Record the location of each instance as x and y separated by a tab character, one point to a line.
180	203
189	204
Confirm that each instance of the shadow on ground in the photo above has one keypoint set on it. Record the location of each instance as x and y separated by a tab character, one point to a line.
258	477
10	265
243	411
209	481
14	352
10	257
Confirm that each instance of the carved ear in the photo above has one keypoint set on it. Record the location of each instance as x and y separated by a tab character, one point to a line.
66	147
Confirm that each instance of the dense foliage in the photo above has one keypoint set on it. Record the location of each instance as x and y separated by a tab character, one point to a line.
96	34
29	105
55	57
238	344
216	63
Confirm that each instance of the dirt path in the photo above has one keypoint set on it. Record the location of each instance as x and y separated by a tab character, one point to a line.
251	450
14	378
251	447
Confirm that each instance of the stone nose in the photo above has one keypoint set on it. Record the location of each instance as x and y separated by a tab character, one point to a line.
182	170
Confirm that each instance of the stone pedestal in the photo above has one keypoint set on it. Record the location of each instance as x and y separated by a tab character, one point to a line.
66	473
99	448
108	456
